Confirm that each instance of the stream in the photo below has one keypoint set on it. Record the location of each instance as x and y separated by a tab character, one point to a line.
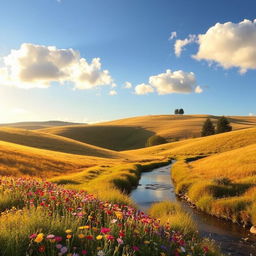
156	186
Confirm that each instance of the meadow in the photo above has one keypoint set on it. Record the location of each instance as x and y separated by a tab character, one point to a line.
71	188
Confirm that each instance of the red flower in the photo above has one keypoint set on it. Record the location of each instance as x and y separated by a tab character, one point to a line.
89	237
41	248
105	230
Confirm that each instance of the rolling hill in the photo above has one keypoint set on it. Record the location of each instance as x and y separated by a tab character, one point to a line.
53	142
132	133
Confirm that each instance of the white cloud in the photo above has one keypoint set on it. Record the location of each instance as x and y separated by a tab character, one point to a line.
180	44
142	89
229	45
39	66
173	35
251	114
127	85
170	82
113	92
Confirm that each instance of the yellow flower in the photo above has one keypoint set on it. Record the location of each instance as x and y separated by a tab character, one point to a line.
68	231
94	229
84	227
99	248
81	236
39	238
99	237
119	215
146	242
69	236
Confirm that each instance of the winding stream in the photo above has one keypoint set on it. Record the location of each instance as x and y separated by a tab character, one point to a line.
156	186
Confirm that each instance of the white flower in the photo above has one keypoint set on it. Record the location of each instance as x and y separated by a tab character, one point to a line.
100	253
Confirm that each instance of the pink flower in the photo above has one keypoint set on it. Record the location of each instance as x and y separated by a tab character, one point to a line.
119	240
105	230
135	248
84	252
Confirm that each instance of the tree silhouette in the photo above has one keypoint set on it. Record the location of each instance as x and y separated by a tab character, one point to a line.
208	128
223	125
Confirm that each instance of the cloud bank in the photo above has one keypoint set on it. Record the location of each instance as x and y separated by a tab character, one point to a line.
39	66
170	82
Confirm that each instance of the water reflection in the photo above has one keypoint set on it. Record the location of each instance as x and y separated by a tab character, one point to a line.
156	186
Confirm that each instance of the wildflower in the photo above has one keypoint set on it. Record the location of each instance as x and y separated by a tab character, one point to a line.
64	249
81	236
84	252
41	248
50	236
32	236
58	246
120	241
146	242
110	237
39	238
58	238
105	230
69	236
89	237
100	253
68	231
99	237
135	248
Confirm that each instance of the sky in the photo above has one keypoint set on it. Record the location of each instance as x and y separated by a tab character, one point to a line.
98	60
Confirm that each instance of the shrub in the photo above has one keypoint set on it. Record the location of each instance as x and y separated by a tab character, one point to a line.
155	140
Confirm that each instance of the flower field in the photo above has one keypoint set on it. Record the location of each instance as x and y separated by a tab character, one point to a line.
42	218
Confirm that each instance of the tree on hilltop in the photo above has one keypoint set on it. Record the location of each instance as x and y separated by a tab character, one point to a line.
181	111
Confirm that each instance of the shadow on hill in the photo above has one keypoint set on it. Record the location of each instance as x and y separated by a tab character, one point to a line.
111	137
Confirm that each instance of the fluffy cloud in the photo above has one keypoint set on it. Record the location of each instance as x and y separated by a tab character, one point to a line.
180	44
113	92
40	66
142	89
173	35
170	82
127	85
228	44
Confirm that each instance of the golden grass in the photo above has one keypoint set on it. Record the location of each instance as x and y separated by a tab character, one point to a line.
172	214
223	184
201	146
132	133
20	160
53	142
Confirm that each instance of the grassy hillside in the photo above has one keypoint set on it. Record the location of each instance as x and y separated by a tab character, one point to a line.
53	142
20	160
37	125
202	146
105	136
132	133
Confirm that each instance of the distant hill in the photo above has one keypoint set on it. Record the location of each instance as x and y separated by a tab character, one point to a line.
132	133
38	125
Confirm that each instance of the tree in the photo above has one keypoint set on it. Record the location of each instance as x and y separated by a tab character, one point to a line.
176	111
223	125
155	140
208	128
181	111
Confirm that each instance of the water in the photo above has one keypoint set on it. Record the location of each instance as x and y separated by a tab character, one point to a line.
157	186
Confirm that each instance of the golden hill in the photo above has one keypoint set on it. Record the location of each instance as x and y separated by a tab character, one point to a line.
22	160
202	146
53	142
132	133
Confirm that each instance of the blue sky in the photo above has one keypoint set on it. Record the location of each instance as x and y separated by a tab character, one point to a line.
131	40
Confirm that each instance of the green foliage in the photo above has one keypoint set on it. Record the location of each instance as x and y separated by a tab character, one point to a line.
223	125
155	140
208	128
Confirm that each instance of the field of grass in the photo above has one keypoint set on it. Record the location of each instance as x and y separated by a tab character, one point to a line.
53	142
223	184
132	133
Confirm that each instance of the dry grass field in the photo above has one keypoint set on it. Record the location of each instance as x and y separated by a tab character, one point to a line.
132	133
